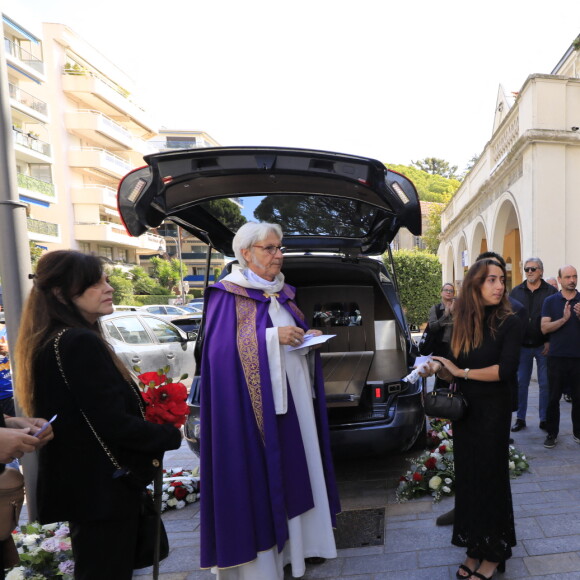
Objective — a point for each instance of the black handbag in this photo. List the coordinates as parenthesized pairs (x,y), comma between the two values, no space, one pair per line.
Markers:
(445,403)
(146,535)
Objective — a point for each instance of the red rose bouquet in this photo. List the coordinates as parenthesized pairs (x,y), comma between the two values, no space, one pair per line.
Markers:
(165,399)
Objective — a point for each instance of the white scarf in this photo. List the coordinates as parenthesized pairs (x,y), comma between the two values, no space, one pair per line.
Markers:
(276,352)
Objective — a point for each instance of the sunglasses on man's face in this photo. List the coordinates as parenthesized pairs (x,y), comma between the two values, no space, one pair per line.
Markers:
(530,269)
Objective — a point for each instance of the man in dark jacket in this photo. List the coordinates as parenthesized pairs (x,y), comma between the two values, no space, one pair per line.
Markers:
(532,294)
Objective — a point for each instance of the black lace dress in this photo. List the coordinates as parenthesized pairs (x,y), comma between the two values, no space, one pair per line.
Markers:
(484,520)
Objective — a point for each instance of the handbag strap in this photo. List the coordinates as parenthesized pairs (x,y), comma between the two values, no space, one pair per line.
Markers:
(101,442)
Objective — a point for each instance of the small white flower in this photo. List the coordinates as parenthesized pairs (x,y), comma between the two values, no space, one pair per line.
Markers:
(172,502)
(446,489)
(164,496)
(49,527)
(448,480)
(180,504)
(435,482)
(512,465)
(31,539)
(16,574)
(190,498)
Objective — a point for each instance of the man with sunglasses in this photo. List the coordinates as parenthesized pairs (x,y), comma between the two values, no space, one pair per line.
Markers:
(532,293)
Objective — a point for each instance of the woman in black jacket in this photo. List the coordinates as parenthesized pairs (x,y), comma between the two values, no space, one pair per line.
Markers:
(65,368)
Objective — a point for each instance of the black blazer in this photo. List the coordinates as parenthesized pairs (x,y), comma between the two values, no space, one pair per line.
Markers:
(75,477)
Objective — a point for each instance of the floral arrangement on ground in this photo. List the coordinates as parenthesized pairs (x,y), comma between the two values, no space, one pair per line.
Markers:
(433,471)
(180,488)
(45,552)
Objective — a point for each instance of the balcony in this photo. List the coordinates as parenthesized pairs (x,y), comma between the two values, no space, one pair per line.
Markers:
(95,195)
(112,233)
(30,147)
(33,187)
(28,106)
(98,128)
(100,161)
(104,96)
(42,231)
(24,62)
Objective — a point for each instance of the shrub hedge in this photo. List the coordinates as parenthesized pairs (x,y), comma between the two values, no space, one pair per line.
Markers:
(146,299)
(419,277)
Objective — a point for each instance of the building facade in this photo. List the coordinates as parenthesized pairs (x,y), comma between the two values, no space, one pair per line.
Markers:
(77,130)
(521,198)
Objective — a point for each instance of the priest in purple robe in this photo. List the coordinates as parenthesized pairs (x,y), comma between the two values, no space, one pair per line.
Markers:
(268,492)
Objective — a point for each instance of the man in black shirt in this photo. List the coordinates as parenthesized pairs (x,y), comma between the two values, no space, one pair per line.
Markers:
(532,293)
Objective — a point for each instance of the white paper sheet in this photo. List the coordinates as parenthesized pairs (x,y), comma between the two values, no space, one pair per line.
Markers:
(311,340)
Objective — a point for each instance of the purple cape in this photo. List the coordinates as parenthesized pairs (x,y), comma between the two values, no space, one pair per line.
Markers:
(253,468)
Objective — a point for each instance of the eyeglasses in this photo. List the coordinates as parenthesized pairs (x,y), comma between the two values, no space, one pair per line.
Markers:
(271,249)
(448,290)
(530,269)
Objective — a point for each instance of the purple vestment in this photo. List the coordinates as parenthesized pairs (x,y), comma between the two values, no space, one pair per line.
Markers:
(254,475)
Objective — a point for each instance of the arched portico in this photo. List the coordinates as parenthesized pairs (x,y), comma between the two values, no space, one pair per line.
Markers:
(507,240)
(449,265)
(479,241)
(461,261)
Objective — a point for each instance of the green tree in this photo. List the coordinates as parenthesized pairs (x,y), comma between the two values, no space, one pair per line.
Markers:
(430,187)
(470,165)
(167,272)
(432,234)
(35,253)
(142,282)
(121,283)
(419,277)
(436,166)
(227,212)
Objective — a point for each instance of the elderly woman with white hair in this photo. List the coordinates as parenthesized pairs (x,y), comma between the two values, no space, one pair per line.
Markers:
(269,494)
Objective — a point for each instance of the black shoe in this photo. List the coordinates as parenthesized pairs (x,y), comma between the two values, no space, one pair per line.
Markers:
(543,425)
(446,519)
(519,425)
(550,442)
(315,560)
(511,440)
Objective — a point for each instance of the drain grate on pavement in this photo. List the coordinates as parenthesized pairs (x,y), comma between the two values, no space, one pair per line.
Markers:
(360,528)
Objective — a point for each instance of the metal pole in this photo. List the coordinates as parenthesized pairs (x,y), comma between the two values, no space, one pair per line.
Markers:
(180,266)
(177,242)
(15,254)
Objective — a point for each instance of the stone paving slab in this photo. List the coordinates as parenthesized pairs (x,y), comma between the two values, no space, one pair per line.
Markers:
(546,508)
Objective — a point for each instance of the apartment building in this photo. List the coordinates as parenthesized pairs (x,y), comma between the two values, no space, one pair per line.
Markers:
(101,135)
(77,130)
(180,243)
(30,122)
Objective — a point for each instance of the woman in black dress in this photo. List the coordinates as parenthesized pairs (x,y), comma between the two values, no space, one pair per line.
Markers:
(483,362)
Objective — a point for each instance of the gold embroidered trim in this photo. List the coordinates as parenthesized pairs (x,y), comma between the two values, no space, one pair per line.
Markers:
(234,288)
(249,356)
(296,310)
(289,291)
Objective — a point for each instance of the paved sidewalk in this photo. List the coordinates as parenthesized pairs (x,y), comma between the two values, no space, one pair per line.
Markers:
(546,504)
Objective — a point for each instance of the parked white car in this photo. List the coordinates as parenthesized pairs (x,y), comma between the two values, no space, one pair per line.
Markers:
(151,343)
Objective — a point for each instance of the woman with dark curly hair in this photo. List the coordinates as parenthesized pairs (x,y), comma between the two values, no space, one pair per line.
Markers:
(483,360)
(65,368)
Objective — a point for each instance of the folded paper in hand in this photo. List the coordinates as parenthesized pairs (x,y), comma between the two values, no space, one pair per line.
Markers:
(312,340)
